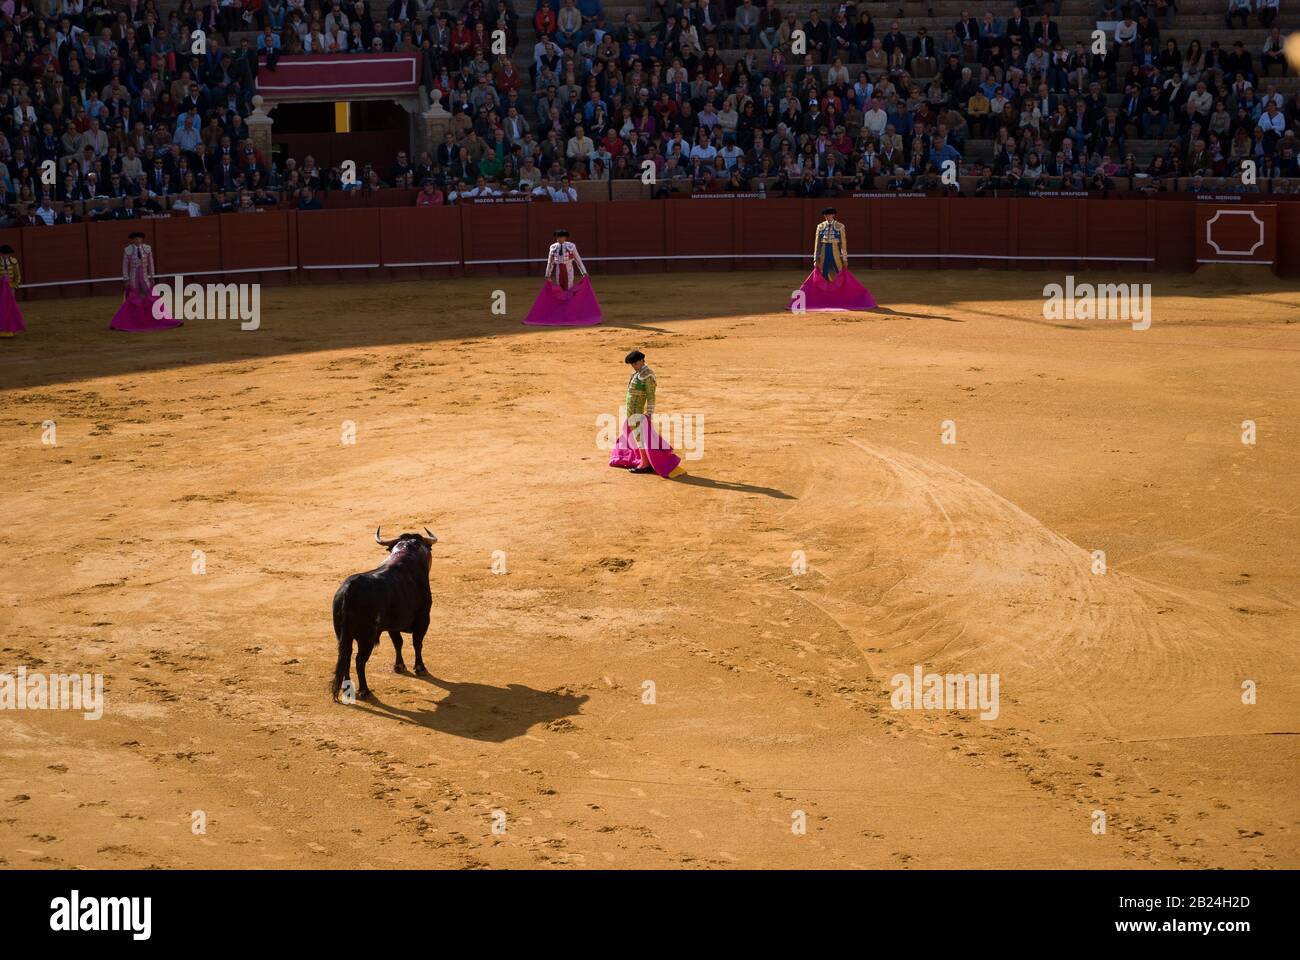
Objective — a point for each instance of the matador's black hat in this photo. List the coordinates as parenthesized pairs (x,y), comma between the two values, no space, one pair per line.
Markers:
(135,233)
(634,356)
(561,233)
(6,249)
(826,210)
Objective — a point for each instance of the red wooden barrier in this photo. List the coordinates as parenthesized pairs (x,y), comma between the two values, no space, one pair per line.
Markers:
(184,245)
(1288,239)
(376,242)
(778,229)
(338,245)
(702,229)
(633,236)
(494,239)
(262,245)
(1175,244)
(420,242)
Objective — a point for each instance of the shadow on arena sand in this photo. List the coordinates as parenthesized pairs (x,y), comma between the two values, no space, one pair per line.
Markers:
(480,711)
(68,340)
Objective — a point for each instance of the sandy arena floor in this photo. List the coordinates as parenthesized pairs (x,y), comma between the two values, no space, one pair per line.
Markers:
(1121,691)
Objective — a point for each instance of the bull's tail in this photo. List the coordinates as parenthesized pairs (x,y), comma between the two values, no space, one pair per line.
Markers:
(344,644)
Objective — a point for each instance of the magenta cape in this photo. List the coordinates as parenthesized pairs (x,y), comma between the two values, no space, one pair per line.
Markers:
(665,462)
(11,318)
(557,307)
(842,293)
(136,313)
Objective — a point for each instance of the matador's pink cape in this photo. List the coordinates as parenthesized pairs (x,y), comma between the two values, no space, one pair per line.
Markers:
(11,318)
(842,293)
(137,313)
(665,462)
(557,307)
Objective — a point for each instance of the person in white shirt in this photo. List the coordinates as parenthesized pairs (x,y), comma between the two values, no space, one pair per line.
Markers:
(1126,31)
(601,154)
(186,203)
(544,48)
(1272,121)
(580,146)
(565,192)
(1202,99)
(875,119)
(483,189)
(24,113)
(564,266)
(318,42)
(336,18)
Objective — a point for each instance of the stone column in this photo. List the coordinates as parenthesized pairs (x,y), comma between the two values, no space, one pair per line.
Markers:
(259,127)
(433,123)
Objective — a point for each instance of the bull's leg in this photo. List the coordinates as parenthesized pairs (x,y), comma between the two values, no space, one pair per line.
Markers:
(341,668)
(417,641)
(365,646)
(399,666)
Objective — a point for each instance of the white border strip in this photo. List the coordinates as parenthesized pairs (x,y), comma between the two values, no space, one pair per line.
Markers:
(196,273)
(331,59)
(985,256)
(688,256)
(211,273)
(286,89)
(71,283)
(425,263)
(1249,263)
(860,256)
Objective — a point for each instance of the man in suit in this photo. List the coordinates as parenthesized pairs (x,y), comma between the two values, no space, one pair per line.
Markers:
(819,36)
(1130,107)
(968,32)
(1018,27)
(923,53)
(200,163)
(894,39)
(1045,102)
(447,150)
(225,174)
(115,188)
(1046,32)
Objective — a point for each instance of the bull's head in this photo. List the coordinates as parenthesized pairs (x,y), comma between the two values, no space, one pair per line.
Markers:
(406,541)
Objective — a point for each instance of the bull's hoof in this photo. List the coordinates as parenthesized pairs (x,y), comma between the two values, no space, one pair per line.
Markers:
(399,667)
(421,670)
(365,694)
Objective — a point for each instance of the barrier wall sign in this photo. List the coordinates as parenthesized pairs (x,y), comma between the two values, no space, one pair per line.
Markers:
(1239,233)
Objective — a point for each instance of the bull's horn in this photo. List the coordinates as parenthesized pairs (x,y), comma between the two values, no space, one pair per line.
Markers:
(382,542)
(433,538)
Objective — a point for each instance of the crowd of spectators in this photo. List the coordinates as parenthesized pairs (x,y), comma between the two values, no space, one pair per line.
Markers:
(627,100)
(108,110)
(608,99)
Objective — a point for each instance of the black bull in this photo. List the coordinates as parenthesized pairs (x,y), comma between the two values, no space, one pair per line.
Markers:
(393,597)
